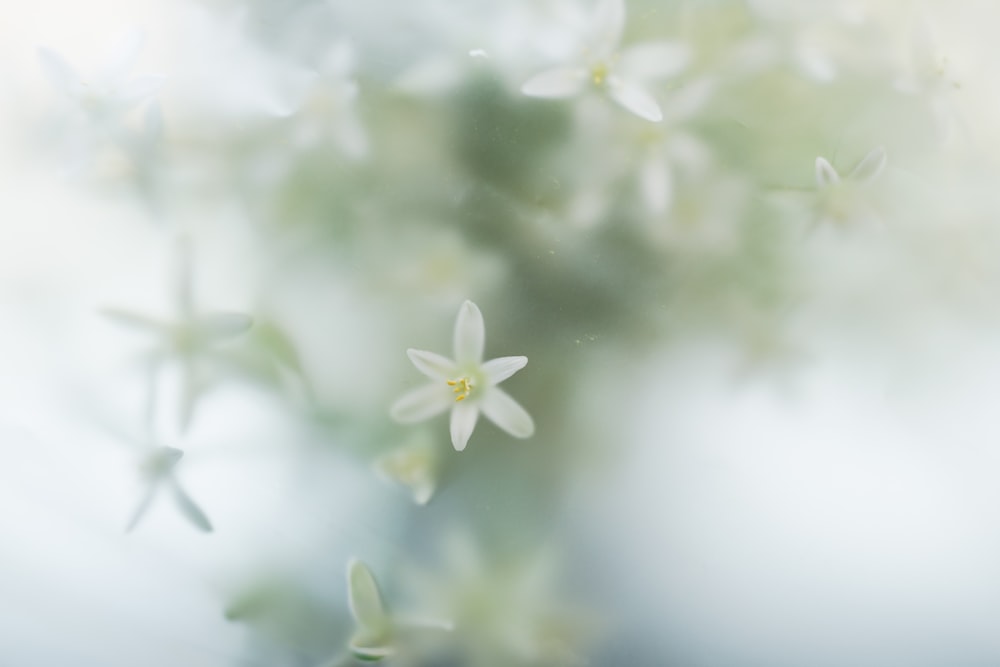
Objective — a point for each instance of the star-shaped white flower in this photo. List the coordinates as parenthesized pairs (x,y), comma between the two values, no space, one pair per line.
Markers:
(188,338)
(104,97)
(619,73)
(466,384)
(157,468)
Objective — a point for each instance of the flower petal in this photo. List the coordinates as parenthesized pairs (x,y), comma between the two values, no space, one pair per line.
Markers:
(219,326)
(654,60)
(120,58)
(556,83)
(139,89)
(141,509)
(189,508)
(507,413)
(606,28)
(433,365)
(498,370)
(470,334)
(364,598)
(870,167)
(463,422)
(133,319)
(58,71)
(422,403)
(635,99)
(826,175)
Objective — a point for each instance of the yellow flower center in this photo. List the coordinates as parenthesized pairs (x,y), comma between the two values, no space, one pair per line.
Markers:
(462,387)
(599,74)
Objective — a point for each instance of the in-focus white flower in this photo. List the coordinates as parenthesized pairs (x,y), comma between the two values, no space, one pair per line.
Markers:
(157,469)
(466,384)
(842,199)
(378,634)
(188,338)
(414,465)
(621,74)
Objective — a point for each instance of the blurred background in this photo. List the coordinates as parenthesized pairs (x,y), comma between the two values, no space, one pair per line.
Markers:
(748,247)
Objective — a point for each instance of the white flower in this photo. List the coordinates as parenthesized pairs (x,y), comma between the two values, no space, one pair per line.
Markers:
(97,106)
(842,199)
(620,74)
(157,468)
(109,93)
(187,338)
(328,110)
(378,634)
(466,384)
(414,465)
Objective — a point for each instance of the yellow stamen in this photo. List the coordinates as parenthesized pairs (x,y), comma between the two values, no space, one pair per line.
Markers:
(463,387)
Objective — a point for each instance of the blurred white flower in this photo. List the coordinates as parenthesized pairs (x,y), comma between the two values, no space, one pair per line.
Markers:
(186,339)
(328,110)
(507,610)
(841,200)
(619,74)
(466,384)
(157,469)
(99,104)
(414,465)
(378,634)
(228,75)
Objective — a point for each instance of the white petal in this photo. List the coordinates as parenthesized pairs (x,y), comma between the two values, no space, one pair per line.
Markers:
(635,99)
(507,413)
(826,175)
(606,28)
(656,182)
(189,509)
(433,365)
(470,334)
(132,319)
(498,370)
(364,598)
(422,403)
(219,326)
(556,83)
(141,509)
(654,60)
(870,167)
(362,651)
(122,55)
(137,90)
(62,76)
(463,422)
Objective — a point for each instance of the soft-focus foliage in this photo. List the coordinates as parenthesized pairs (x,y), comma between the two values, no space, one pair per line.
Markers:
(749,247)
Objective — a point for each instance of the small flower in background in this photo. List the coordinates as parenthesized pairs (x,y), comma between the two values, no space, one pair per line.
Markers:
(188,339)
(99,104)
(157,469)
(414,465)
(378,633)
(619,74)
(328,109)
(466,384)
(507,610)
(841,200)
